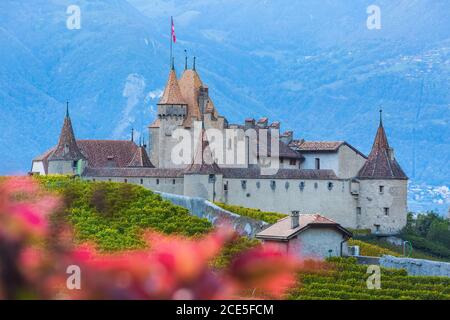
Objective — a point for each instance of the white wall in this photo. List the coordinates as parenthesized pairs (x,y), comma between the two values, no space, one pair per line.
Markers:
(316,242)
(337,204)
(38,167)
(328,161)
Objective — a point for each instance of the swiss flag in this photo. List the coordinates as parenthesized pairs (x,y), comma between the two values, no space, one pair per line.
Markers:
(174,37)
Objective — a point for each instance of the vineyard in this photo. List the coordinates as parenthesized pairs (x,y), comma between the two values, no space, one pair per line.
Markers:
(344,279)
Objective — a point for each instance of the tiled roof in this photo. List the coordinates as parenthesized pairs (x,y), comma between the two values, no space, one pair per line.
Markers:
(67,148)
(282,230)
(140,159)
(317,145)
(322,146)
(284,151)
(155,124)
(108,153)
(44,158)
(381,164)
(286,174)
(172,93)
(190,84)
(203,159)
(133,173)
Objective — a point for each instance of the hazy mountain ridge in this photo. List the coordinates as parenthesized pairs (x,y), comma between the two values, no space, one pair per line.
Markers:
(313,66)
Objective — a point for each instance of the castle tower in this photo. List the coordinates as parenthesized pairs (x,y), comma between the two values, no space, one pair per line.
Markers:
(383,189)
(67,157)
(172,113)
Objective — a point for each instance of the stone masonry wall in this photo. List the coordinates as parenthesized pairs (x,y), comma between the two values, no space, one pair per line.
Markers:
(417,267)
(216,215)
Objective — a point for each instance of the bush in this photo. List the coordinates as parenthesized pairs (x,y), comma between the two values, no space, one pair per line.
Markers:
(115,215)
(367,249)
(345,280)
(269,217)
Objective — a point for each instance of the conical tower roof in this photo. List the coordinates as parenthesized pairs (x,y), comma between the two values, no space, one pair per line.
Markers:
(204,162)
(190,84)
(381,163)
(172,94)
(67,148)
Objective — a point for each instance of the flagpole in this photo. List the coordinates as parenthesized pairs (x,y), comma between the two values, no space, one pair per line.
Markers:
(171,40)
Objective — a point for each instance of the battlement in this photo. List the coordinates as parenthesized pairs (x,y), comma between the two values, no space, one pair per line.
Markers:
(172,111)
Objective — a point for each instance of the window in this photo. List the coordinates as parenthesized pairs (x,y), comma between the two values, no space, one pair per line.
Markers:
(377,228)
(317,163)
(258,184)
(75,163)
(386,211)
(330,186)
(173,181)
(225,186)
(273,184)
(109,180)
(381,188)
(358,211)
(281,160)
(157,181)
(212,178)
(302,186)
(286,185)
(316,185)
(244,184)
(142,181)
(125,180)
(293,162)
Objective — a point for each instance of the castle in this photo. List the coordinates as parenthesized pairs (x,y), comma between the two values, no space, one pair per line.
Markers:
(330,178)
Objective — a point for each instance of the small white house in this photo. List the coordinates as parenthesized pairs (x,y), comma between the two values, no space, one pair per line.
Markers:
(308,236)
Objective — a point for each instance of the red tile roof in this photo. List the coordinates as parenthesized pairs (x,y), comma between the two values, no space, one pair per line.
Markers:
(67,148)
(282,230)
(381,164)
(203,159)
(108,153)
(172,94)
(140,159)
(318,145)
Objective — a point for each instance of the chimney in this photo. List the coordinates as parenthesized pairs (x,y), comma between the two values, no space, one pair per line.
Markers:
(275,125)
(203,98)
(295,219)
(287,137)
(263,123)
(249,123)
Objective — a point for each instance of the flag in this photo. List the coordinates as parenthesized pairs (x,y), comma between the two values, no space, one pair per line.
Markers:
(174,37)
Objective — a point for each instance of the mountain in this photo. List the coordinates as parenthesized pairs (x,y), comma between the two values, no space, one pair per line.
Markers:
(312,65)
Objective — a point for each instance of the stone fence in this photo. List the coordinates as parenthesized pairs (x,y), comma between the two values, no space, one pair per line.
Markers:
(216,215)
(417,267)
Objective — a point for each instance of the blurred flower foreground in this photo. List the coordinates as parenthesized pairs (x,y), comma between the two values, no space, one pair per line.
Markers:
(38,259)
